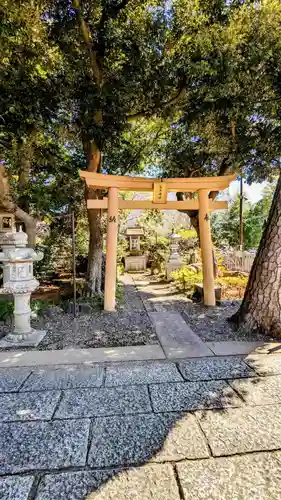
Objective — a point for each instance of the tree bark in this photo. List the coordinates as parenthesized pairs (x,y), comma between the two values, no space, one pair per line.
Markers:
(194,219)
(261,306)
(8,203)
(94,270)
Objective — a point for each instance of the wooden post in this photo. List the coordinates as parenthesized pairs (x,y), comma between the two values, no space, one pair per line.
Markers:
(111,250)
(206,248)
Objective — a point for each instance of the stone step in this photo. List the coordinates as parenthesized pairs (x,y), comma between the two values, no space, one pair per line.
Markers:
(176,337)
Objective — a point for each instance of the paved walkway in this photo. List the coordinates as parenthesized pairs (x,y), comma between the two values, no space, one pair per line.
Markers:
(198,429)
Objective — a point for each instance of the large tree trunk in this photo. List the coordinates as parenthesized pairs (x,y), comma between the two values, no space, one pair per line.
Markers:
(8,203)
(194,219)
(94,270)
(261,306)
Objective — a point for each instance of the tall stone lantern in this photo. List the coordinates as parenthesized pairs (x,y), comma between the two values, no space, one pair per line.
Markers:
(174,262)
(18,280)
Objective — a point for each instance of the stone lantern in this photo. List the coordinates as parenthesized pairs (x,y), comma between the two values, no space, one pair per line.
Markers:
(18,280)
(174,262)
(7,224)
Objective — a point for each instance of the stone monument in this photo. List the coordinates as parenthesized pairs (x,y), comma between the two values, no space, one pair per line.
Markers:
(18,280)
(174,262)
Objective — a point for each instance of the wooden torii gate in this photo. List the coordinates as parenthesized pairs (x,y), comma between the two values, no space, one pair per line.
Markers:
(160,189)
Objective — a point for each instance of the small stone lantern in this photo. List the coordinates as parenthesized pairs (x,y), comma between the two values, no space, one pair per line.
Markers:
(18,280)
(174,262)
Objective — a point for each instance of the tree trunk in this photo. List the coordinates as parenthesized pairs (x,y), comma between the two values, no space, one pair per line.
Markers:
(94,270)
(261,306)
(194,219)
(11,206)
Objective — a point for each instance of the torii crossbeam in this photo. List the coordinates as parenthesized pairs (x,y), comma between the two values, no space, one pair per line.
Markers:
(160,188)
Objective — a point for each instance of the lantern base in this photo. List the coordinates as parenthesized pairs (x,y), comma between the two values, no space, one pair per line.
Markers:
(15,340)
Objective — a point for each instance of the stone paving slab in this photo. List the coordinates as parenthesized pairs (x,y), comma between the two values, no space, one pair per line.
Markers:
(105,401)
(64,377)
(172,330)
(137,439)
(268,348)
(151,482)
(28,446)
(259,391)
(72,485)
(265,364)
(184,440)
(141,373)
(233,347)
(15,487)
(215,368)
(28,406)
(248,477)
(80,356)
(242,430)
(187,351)
(192,396)
(12,379)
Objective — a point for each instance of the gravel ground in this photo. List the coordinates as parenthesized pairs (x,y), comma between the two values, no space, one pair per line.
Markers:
(131,325)
(209,323)
(100,329)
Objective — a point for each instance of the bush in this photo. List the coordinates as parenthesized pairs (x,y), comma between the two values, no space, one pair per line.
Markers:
(38,306)
(157,253)
(6,308)
(186,278)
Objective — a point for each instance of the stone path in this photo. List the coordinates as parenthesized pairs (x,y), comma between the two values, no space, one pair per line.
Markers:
(176,337)
(198,429)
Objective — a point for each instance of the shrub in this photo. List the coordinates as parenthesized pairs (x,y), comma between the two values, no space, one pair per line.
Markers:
(6,307)
(38,306)
(157,253)
(186,278)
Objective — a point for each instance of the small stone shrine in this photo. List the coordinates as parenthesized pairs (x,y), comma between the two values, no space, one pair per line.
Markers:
(18,280)
(135,261)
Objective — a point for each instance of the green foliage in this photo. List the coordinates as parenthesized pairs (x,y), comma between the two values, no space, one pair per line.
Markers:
(187,234)
(186,278)
(119,292)
(157,253)
(120,269)
(6,308)
(95,301)
(234,281)
(225,225)
(217,63)
(188,250)
(150,220)
(39,306)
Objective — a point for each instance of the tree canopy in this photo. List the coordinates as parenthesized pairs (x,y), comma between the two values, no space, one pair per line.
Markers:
(182,88)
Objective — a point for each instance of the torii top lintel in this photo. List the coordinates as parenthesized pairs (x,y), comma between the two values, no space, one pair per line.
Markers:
(160,188)
(126,183)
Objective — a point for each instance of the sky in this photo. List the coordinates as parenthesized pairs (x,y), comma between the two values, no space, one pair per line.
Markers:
(253,192)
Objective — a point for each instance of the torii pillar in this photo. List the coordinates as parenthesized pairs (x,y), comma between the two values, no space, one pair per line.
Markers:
(111,250)
(206,248)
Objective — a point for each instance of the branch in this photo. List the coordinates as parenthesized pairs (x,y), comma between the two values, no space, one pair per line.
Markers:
(225,165)
(150,111)
(95,69)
